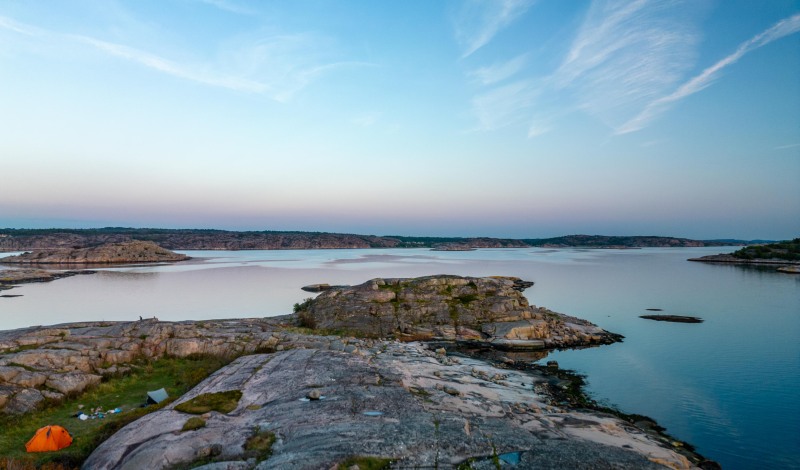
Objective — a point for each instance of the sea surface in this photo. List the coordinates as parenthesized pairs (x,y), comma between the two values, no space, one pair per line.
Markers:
(730,386)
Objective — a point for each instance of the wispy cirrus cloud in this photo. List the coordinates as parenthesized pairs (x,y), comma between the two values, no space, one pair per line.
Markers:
(172,68)
(229,6)
(626,65)
(656,107)
(627,53)
(11,25)
(624,54)
(504,105)
(478,21)
(498,72)
(276,66)
(788,146)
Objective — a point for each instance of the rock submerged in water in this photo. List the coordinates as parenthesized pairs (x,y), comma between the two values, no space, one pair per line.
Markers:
(485,309)
(673,318)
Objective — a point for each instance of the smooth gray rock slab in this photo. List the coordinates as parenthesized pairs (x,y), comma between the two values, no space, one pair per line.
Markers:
(423,410)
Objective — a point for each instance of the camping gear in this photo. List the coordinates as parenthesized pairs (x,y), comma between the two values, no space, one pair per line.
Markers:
(156,397)
(49,438)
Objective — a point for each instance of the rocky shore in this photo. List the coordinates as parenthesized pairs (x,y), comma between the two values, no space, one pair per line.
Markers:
(201,239)
(135,251)
(728,259)
(490,310)
(405,402)
(397,403)
(315,400)
(780,265)
(9,278)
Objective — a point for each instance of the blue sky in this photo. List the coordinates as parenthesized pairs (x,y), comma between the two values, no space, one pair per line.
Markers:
(501,118)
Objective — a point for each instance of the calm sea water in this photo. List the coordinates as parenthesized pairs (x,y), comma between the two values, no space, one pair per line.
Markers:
(729,385)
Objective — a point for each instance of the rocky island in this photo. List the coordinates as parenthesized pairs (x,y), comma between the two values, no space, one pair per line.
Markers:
(135,251)
(784,255)
(490,310)
(369,396)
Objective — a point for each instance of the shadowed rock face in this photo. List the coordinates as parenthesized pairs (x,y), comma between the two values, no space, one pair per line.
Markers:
(489,309)
(399,401)
(126,252)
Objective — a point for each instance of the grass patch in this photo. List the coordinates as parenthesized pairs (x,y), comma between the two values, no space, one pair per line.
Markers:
(193,423)
(22,366)
(128,393)
(224,402)
(259,445)
(365,463)
(467,298)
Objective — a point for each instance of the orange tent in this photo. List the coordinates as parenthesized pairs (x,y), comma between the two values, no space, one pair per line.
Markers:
(49,438)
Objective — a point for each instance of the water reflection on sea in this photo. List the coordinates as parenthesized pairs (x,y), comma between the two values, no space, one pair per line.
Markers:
(727,385)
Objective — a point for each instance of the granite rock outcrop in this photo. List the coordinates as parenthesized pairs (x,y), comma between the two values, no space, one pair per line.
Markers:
(486,309)
(395,401)
(135,251)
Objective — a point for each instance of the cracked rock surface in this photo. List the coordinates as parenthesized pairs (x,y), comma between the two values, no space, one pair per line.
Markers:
(401,401)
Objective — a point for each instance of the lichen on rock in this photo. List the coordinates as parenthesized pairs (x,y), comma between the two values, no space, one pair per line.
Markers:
(490,309)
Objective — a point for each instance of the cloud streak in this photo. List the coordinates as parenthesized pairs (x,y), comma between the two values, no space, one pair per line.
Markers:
(171,68)
(504,105)
(229,6)
(478,21)
(11,25)
(626,54)
(276,66)
(500,71)
(781,29)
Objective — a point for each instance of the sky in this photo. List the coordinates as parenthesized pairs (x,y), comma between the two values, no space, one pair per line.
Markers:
(504,118)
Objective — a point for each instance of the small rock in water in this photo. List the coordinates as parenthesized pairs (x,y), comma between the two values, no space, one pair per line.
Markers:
(552,365)
(673,318)
(314,394)
(451,391)
(441,351)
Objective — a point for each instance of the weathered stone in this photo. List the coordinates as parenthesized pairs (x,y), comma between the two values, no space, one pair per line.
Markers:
(24,401)
(73,382)
(6,392)
(135,251)
(449,307)
(7,373)
(115,356)
(50,395)
(403,418)
(28,379)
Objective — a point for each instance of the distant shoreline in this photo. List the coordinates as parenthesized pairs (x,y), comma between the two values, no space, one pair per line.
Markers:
(199,239)
(728,259)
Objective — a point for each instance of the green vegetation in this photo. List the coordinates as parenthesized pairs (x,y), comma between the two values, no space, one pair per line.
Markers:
(259,445)
(128,393)
(193,423)
(366,463)
(785,250)
(303,305)
(223,402)
(304,317)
